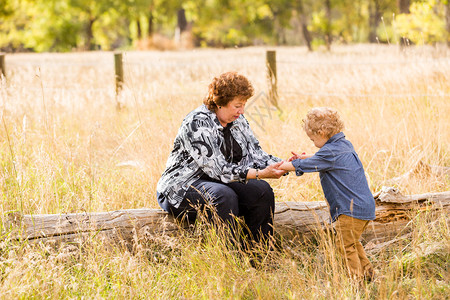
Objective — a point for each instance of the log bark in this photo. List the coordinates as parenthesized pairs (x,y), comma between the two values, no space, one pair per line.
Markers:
(293,220)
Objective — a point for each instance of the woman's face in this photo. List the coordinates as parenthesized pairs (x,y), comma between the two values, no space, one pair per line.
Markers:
(232,111)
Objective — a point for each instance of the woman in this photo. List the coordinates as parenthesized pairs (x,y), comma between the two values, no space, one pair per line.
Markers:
(217,162)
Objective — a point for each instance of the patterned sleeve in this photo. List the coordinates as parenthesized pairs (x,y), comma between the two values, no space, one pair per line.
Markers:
(201,140)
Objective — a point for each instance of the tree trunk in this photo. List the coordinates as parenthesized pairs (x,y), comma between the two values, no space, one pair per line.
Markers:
(276,28)
(403,6)
(304,25)
(181,20)
(306,35)
(89,34)
(151,26)
(182,26)
(139,29)
(328,37)
(293,220)
(374,20)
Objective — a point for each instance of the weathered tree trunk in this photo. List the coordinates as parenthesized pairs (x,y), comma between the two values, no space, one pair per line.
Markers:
(293,220)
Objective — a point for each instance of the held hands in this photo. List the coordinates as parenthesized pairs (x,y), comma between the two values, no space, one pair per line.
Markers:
(273,171)
(278,169)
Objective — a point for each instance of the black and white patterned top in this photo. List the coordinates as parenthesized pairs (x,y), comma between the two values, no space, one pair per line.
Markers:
(197,152)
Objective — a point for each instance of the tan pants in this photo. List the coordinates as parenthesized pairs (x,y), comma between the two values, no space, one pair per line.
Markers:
(349,231)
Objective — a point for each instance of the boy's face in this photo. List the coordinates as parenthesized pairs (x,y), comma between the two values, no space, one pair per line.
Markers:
(318,140)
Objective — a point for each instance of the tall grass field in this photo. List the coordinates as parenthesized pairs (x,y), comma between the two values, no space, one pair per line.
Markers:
(69,144)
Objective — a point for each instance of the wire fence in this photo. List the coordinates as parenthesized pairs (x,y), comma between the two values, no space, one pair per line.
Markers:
(216,63)
(105,64)
(280,92)
(105,89)
(343,95)
(128,63)
(363,63)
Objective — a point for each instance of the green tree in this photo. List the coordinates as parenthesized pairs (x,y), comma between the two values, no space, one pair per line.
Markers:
(425,23)
(89,12)
(62,25)
(322,23)
(447,21)
(281,14)
(11,18)
(53,26)
(351,21)
(38,25)
(150,16)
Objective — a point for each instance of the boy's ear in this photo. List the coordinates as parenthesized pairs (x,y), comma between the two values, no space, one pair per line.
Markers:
(323,130)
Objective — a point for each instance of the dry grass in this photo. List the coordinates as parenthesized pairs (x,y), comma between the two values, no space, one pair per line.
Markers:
(62,140)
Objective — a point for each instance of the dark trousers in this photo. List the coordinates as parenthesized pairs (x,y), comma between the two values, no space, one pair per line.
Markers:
(254,201)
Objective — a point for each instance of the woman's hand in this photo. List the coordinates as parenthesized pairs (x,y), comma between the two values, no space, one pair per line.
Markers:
(272,171)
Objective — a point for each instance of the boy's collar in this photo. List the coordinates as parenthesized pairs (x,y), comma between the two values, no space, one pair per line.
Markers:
(336,137)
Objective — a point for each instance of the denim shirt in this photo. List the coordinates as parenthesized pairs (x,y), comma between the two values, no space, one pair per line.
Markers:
(342,177)
(197,152)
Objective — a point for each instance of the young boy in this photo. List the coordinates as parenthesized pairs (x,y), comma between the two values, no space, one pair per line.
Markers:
(344,184)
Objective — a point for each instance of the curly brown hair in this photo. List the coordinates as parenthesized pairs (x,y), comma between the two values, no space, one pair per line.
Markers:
(323,121)
(225,88)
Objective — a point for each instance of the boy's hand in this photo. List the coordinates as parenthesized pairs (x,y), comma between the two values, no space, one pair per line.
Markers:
(297,156)
(304,155)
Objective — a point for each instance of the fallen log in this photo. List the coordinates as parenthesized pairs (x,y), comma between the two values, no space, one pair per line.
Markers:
(292,220)
(393,212)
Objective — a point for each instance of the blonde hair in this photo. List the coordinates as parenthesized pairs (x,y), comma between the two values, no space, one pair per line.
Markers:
(323,121)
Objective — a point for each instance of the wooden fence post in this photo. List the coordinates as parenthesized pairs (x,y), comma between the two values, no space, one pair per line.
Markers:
(271,64)
(118,71)
(2,65)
